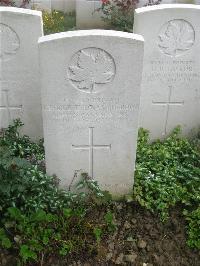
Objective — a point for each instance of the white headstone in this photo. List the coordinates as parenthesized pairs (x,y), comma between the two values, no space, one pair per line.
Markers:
(69,6)
(19,72)
(90,97)
(87,16)
(171,76)
(142,3)
(35,4)
(57,5)
(64,5)
(41,4)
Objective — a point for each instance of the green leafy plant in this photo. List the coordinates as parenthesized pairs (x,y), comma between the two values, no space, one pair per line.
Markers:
(21,146)
(37,217)
(98,233)
(41,232)
(90,187)
(193,228)
(24,183)
(35,234)
(119,14)
(26,187)
(4,240)
(27,254)
(168,173)
(58,21)
(109,219)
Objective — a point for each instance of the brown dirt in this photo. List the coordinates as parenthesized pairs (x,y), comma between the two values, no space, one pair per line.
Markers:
(141,239)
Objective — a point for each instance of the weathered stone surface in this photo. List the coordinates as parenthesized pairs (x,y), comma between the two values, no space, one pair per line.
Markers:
(19,69)
(60,4)
(36,4)
(88,16)
(170,88)
(90,95)
(42,4)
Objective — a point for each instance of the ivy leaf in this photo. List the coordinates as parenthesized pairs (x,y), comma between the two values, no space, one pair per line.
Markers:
(4,240)
(26,253)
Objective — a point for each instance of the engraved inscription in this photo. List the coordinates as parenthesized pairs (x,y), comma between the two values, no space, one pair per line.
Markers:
(97,110)
(91,148)
(9,44)
(168,104)
(172,71)
(176,37)
(90,69)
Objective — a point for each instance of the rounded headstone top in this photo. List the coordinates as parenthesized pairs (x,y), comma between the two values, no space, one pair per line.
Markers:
(165,7)
(23,11)
(86,33)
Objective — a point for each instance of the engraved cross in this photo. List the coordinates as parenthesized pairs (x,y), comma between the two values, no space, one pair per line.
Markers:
(168,104)
(9,107)
(91,148)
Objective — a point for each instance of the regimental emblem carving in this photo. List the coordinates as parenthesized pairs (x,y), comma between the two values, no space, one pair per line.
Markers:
(90,69)
(176,37)
(9,44)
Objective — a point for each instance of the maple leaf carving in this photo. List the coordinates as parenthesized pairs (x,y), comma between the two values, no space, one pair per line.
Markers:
(92,68)
(177,37)
(9,41)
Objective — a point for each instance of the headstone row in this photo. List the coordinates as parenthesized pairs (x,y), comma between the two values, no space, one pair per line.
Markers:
(90,88)
(49,5)
(89,16)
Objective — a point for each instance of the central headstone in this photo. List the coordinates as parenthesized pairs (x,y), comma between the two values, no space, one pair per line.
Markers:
(170,93)
(90,98)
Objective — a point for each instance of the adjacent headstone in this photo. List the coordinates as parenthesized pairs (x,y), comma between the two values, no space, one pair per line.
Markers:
(142,3)
(19,69)
(63,5)
(70,6)
(87,14)
(41,4)
(171,76)
(90,98)
(57,5)
(35,4)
